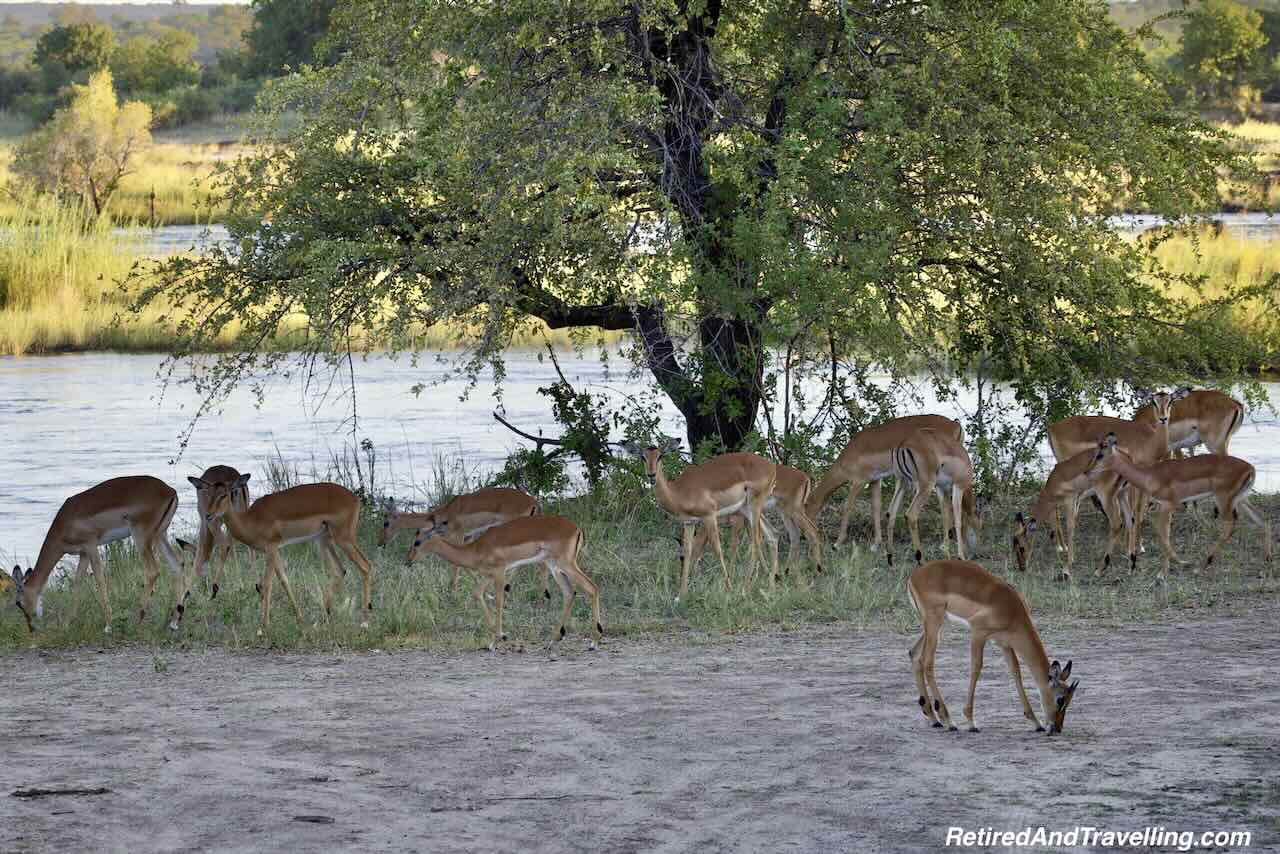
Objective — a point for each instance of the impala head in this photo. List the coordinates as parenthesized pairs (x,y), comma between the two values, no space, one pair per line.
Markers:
(1063,692)
(1024,527)
(652,455)
(205,490)
(1161,402)
(28,600)
(389,516)
(435,528)
(1102,456)
(223,496)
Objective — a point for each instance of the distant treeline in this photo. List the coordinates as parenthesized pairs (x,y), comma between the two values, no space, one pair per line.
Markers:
(1220,54)
(187,63)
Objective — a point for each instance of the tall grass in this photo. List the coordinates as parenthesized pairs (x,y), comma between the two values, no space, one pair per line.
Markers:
(629,552)
(180,175)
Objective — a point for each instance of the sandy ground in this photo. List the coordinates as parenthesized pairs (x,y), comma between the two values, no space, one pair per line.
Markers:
(808,741)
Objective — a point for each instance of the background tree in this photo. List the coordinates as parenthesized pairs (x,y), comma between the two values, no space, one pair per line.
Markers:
(87,147)
(158,61)
(904,185)
(285,34)
(76,47)
(1222,53)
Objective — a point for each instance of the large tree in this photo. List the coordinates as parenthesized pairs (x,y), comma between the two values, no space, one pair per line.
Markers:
(904,180)
(77,47)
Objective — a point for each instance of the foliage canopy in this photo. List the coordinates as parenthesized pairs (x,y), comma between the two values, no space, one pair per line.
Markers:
(87,147)
(909,184)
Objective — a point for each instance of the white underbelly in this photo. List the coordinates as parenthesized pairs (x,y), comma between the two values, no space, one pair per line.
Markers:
(306,538)
(114,535)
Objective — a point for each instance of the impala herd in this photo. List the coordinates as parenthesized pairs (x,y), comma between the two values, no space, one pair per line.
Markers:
(1123,465)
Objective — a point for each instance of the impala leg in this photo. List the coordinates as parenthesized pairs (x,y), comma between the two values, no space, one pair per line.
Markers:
(545,572)
(264,589)
(977,644)
(945,510)
(1116,520)
(894,504)
(1139,515)
(793,539)
(566,595)
(499,595)
(583,581)
(932,631)
(766,531)
(854,487)
(1069,541)
(699,545)
(799,518)
(151,568)
(917,669)
(735,535)
(877,508)
(1227,525)
(224,548)
(288,588)
(100,581)
(712,525)
(686,534)
(348,545)
(1029,713)
(481,586)
(1163,524)
(957,517)
(913,516)
(337,573)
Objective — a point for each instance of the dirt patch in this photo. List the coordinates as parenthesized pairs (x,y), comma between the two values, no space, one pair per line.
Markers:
(809,741)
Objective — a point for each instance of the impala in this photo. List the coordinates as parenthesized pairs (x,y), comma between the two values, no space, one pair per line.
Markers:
(722,486)
(790,492)
(464,517)
(325,512)
(1068,484)
(1147,442)
(928,461)
(868,458)
(553,541)
(1202,415)
(216,533)
(992,610)
(1172,482)
(139,507)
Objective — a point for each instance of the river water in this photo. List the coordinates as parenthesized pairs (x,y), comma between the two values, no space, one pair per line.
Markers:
(71,421)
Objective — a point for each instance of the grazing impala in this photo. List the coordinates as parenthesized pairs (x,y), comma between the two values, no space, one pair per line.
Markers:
(553,541)
(216,533)
(463,518)
(928,461)
(790,492)
(1172,482)
(1202,415)
(868,458)
(325,512)
(1146,442)
(992,610)
(1068,484)
(730,483)
(138,507)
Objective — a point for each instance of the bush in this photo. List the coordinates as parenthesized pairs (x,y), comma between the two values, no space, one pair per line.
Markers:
(195,105)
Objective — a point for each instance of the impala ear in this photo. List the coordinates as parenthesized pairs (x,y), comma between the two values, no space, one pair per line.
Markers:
(1055,670)
(669,444)
(1181,393)
(243,479)
(635,449)
(198,483)
(1066,671)
(1110,440)
(18,578)
(1032,526)
(1018,517)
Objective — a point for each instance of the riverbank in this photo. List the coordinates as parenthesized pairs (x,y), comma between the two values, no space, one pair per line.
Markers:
(631,554)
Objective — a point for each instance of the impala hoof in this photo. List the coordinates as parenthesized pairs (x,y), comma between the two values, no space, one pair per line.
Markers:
(562,633)
(506,588)
(937,724)
(974,729)
(546,593)
(1039,728)
(953,728)
(918,556)
(214,594)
